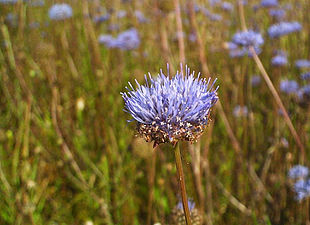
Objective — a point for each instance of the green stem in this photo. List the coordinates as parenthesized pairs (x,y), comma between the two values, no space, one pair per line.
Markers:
(178,163)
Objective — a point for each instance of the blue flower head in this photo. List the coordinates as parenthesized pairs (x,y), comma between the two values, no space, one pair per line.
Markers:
(302,63)
(289,86)
(298,171)
(248,38)
(277,13)
(191,205)
(269,3)
(107,40)
(304,93)
(302,189)
(283,28)
(169,109)
(255,80)
(128,39)
(279,60)
(60,12)
(305,76)
(8,1)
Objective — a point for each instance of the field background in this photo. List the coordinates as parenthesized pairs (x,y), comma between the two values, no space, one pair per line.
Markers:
(68,155)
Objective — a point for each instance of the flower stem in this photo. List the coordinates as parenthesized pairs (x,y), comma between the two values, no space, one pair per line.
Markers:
(178,163)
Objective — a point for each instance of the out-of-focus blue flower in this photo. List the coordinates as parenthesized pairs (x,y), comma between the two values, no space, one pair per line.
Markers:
(283,28)
(192,37)
(304,93)
(248,38)
(210,15)
(128,39)
(101,18)
(214,2)
(240,111)
(60,12)
(255,80)
(169,109)
(191,205)
(279,14)
(121,14)
(289,86)
(305,76)
(269,3)
(36,3)
(227,6)
(298,171)
(279,60)
(302,189)
(107,40)
(302,63)
(8,1)
(140,17)
(11,19)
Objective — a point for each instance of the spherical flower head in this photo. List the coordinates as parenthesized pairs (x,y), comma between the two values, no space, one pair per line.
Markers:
(269,3)
(255,80)
(283,28)
(302,189)
(302,63)
(279,60)
(128,39)
(298,171)
(107,40)
(277,13)
(170,109)
(178,213)
(289,86)
(304,93)
(248,38)
(227,6)
(60,12)
(305,76)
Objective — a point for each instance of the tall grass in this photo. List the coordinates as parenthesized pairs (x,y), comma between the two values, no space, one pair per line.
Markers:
(68,155)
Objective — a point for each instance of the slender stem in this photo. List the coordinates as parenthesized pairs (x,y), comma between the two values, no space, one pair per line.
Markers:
(178,163)
(272,88)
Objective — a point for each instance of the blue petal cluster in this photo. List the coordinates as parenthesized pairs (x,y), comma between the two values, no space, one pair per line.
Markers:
(248,38)
(298,171)
(277,13)
(268,3)
(255,80)
(127,40)
(8,1)
(289,86)
(169,109)
(283,28)
(280,59)
(302,189)
(191,205)
(302,183)
(305,76)
(60,12)
(302,63)
(304,94)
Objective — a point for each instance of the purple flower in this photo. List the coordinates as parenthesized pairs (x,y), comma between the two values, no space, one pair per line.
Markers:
(107,40)
(128,39)
(298,171)
(283,28)
(8,1)
(248,38)
(304,93)
(255,80)
(289,86)
(302,189)
(140,17)
(60,12)
(302,63)
(305,76)
(240,111)
(277,13)
(227,6)
(268,3)
(191,205)
(168,109)
(279,60)
(101,18)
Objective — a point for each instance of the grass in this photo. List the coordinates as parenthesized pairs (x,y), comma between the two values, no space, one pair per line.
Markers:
(68,156)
